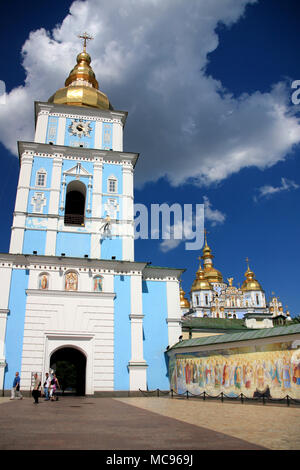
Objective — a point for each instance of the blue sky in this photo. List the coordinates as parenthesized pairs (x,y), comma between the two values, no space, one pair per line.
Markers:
(210,112)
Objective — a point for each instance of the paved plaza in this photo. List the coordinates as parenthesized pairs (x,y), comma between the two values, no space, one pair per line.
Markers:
(84,423)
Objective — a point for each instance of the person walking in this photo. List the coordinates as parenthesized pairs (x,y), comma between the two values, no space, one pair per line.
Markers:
(54,386)
(47,386)
(36,389)
(16,388)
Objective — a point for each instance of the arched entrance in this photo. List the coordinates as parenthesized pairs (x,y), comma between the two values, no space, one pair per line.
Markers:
(69,365)
(75,203)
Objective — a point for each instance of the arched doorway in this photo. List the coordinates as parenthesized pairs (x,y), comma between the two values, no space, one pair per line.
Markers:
(75,203)
(69,365)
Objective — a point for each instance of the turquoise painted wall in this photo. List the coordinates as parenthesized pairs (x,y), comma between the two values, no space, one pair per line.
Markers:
(73,244)
(155,333)
(122,332)
(15,325)
(107,135)
(109,169)
(111,247)
(34,240)
(38,164)
(52,129)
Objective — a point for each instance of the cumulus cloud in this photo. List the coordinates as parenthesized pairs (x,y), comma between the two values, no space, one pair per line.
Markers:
(214,216)
(150,58)
(191,228)
(267,191)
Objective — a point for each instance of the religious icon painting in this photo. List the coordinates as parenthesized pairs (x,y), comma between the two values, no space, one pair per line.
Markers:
(98,283)
(71,281)
(43,281)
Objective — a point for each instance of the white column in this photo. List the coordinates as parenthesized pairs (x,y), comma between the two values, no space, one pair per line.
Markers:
(95,250)
(55,185)
(5,277)
(53,206)
(17,234)
(137,365)
(117,143)
(98,135)
(128,213)
(60,139)
(41,127)
(174,312)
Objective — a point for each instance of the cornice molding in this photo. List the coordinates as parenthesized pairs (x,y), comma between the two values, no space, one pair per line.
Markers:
(31,149)
(77,293)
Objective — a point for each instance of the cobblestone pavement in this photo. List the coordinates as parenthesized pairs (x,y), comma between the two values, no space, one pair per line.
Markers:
(113,424)
(274,427)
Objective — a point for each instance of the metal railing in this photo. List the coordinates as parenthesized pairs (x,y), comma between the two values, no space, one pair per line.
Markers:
(74,219)
(263,398)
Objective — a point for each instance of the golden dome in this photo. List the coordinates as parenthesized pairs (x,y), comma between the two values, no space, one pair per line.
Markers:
(250,282)
(81,87)
(210,273)
(184,303)
(200,283)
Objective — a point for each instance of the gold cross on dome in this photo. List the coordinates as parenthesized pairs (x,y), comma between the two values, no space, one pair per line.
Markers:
(85,38)
(205,235)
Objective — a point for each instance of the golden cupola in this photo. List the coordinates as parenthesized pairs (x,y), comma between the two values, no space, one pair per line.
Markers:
(210,273)
(250,282)
(81,87)
(200,283)
(184,303)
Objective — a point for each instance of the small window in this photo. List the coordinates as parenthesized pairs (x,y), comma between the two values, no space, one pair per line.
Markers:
(41,178)
(257,300)
(112,184)
(206,300)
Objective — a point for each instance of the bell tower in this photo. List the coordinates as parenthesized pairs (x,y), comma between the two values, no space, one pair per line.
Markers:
(75,189)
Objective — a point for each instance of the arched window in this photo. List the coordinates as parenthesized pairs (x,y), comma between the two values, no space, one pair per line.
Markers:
(71,281)
(44,281)
(75,203)
(41,177)
(98,283)
(112,184)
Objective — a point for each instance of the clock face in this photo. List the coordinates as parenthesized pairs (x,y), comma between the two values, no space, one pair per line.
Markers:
(80,128)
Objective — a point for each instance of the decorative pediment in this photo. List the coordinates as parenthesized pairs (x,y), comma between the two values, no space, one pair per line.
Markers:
(78,170)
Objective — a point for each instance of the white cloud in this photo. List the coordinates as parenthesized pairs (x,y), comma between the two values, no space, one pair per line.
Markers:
(268,190)
(214,216)
(187,225)
(150,58)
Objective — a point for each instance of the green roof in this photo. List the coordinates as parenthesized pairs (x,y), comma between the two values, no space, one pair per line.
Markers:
(213,323)
(241,336)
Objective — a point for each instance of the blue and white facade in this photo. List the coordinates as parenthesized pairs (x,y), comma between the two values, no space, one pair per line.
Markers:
(76,285)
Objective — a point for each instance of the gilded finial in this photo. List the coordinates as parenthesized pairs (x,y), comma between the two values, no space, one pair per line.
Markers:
(205,236)
(230,279)
(85,38)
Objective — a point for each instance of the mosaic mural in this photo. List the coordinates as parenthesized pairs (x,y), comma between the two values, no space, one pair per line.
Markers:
(273,369)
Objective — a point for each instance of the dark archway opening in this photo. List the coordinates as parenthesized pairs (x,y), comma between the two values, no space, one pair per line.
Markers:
(75,203)
(69,365)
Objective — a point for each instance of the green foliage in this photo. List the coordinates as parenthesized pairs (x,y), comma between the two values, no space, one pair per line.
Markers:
(296,319)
